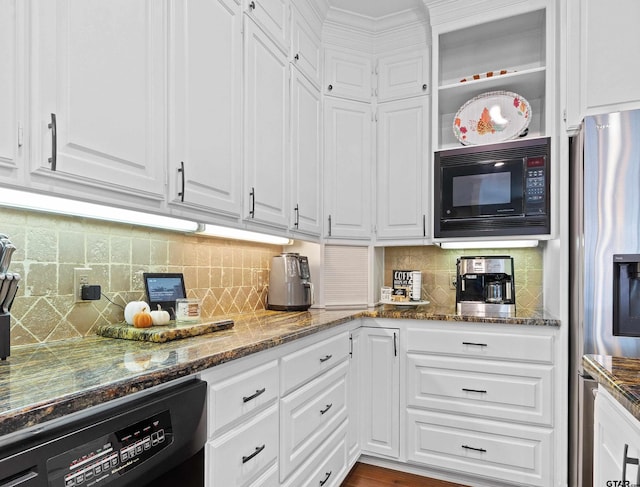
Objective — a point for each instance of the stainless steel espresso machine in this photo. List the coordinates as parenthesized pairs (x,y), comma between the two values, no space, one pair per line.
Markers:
(485,286)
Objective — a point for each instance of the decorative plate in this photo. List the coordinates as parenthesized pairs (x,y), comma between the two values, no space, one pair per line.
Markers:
(492,117)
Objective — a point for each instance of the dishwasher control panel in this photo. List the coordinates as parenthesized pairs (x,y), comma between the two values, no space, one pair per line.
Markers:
(103,459)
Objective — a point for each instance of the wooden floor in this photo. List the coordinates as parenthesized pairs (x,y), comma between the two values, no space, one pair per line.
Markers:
(363,475)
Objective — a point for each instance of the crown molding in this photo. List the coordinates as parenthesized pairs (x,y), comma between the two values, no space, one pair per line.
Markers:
(445,11)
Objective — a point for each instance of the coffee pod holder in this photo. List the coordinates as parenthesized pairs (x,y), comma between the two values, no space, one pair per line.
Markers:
(5,322)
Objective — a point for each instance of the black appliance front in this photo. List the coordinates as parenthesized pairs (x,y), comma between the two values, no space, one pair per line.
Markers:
(156,440)
(626,295)
(493,190)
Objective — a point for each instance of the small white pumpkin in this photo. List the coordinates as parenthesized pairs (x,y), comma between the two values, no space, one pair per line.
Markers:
(133,308)
(160,316)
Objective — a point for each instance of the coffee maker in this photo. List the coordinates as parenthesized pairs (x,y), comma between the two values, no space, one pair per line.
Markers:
(290,287)
(485,286)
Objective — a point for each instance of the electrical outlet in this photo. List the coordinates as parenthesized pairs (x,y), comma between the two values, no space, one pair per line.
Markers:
(452,280)
(80,278)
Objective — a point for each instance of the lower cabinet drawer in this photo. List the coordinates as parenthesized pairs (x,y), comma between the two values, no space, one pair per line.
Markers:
(327,467)
(309,415)
(499,390)
(246,454)
(487,449)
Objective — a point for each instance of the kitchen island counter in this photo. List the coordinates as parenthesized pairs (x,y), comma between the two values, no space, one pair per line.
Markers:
(44,382)
(618,375)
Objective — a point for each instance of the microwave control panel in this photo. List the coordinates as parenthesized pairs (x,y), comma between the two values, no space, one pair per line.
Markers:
(535,185)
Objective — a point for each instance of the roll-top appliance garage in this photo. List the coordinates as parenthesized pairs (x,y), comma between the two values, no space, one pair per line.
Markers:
(493,190)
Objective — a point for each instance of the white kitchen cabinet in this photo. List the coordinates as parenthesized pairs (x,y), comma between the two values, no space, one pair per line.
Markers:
(603,42)
(99,95)
(273,18)
(353,390)
(347,74)
(380,386)
(481,400)
(402,176)
(306,155)
(12,95)
(205,93)
(306,52)
(348,131)
(403,74)
(482,41)
(616,441)
(266,149)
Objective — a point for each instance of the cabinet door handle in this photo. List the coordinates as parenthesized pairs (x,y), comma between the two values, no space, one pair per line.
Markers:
(475,344)
(424,225)
(480,391)
(326,478)
(53,160)
(296,57)
(330,87)
(252,196)
(395,345)
(329,225)
(252,5)
(322,411)
(256,451)
(253,396)
(481,450)
(325,358)
(628,461)
(181,171)
(297,210)
(424,87)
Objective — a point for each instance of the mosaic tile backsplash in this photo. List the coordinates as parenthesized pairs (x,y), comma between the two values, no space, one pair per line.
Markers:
(438,269)
(228,276)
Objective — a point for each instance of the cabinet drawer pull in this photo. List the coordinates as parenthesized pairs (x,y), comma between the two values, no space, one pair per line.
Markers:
(253,396)
(257,450)
(474,390)
(481,450)
(322,411)
(325,358)
(475,344)
(326,478)
(53,160)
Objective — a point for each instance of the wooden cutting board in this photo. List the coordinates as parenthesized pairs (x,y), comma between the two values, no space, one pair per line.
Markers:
(160,334)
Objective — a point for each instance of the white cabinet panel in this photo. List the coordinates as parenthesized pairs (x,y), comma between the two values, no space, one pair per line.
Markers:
(306,158)
(273,17)
(12,58)
(266,130)
(100,68)
(353,391)
(380,385)
(305,47)
(204,94)
(348,161)
(404,74)
(403,192)
(347,74)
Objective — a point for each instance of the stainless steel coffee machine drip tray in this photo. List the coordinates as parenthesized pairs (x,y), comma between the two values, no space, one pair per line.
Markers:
(485,310)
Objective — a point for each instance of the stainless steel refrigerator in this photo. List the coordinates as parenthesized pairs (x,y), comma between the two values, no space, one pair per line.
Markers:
(605,222)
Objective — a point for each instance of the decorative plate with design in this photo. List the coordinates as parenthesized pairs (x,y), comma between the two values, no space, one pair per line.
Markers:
(492,117)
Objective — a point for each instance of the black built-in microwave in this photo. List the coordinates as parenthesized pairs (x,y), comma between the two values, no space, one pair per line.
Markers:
(493,190)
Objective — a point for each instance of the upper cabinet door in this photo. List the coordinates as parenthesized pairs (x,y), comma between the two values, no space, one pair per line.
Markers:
(403,189)
(347,74)
(99,98)
(205,95)
(266,130)
(404,74)
(11,89)
(306,127)
(273,17)
(305,47)
(348,160)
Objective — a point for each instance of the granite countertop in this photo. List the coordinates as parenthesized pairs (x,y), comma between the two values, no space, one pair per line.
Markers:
(47,381)
(620,376)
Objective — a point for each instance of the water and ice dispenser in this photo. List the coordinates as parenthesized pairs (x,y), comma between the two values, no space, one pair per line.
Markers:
(626,295)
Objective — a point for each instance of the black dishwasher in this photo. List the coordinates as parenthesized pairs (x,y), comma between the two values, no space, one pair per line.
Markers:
(157,439)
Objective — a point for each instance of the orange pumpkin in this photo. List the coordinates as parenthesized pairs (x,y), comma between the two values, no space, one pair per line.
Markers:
(142,319)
